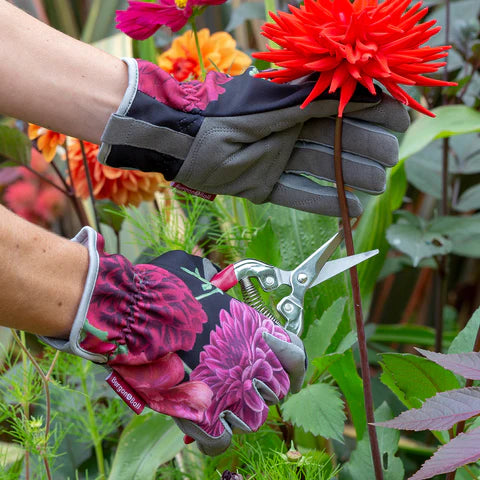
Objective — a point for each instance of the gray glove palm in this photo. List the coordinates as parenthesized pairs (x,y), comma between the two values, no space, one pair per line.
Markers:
(248,137)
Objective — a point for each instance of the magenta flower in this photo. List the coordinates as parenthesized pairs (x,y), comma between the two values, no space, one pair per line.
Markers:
(237,355)
(141,20)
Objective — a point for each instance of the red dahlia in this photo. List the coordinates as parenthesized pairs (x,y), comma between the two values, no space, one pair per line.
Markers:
(350,43)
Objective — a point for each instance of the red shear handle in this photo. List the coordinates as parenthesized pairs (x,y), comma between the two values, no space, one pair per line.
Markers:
(226,279)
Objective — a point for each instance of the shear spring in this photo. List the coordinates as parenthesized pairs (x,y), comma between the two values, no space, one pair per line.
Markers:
(252,298)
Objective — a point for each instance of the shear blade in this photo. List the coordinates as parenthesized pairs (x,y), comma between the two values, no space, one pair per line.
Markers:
(334,267)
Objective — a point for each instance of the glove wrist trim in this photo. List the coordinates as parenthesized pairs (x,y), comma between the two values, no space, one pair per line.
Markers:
(124,106)
(88,238)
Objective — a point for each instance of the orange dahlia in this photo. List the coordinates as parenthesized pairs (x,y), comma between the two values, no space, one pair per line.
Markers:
(350,43)
(47,140)
(124,187)
(218,52)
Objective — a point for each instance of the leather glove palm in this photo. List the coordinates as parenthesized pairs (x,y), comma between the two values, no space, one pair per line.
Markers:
(176,343)
(248,137)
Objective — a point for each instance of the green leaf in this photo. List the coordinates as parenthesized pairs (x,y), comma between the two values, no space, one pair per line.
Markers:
(323,362)
(344,371)
(321,331)
(317,409)
(414,379)
(407,334)
(264,246)
(110,214)
(450,120)
(147,442)
(469,200)
(360,464)
(245,11)
(417,244)
(463,232)
(101,20)
(15,147)
(465,340)
(423,177)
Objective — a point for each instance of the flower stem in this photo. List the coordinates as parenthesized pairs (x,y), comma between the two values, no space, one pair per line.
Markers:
(357,300)
(96,439)
(90,186)
(199,50)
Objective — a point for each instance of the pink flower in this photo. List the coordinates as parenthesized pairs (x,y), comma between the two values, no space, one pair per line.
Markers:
(237,355)
(141,20)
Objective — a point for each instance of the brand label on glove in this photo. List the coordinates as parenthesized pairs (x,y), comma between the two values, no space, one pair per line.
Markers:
(192,191)
(125,392)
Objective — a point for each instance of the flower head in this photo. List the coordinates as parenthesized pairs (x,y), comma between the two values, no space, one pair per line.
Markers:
(236,356)
(124,187)
(47,140)
(33,199)
(350,43)
(141,20)
(218,51)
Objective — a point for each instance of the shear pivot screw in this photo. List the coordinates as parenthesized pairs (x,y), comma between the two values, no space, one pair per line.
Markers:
(302,278)
(288,307)
(269,281)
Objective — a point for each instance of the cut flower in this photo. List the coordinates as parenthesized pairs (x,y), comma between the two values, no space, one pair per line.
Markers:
(47,140)
(141,20)
(124,187)
(218,51)
(354,43)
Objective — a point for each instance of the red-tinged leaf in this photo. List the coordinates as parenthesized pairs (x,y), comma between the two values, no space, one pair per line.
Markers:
(460,451)
(440,412)
(465,364)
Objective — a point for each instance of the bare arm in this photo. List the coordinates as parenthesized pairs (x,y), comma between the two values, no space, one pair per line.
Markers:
(42,277)
(56,81)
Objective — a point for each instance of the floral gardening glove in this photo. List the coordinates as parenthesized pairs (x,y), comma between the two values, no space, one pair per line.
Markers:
(248,137)
(175,342)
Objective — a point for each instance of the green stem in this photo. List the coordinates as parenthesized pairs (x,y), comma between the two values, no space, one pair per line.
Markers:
(96,439)
(199,50)
(26,406)
(269,7)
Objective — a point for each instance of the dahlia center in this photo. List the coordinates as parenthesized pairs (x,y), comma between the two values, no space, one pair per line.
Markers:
(184,68)
(181,3)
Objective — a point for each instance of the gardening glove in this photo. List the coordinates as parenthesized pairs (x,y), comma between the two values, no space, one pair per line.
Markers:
(248,137)
(175,342)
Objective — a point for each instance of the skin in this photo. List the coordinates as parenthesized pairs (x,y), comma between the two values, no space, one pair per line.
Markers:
(55,81)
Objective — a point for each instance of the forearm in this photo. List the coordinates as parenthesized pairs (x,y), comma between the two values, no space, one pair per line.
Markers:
(42,277)
(56,81)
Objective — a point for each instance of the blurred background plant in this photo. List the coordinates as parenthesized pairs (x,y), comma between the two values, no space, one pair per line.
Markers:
(421,290)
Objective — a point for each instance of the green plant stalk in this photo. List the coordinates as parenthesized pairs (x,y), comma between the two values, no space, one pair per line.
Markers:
(270,7)
(193,23)
(26,406)
(90,186)
(96,439)
(357,301)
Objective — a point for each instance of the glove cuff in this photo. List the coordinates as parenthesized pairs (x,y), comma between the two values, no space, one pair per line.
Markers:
(88,238)
(124,106)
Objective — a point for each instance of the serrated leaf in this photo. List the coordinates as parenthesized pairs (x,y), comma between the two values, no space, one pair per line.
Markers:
(416,243)
(317,409)
(450,120)
(414,379)
(462,450)
(465,340)
(15,147)
(360,465)
(465,364)
(321,331)
(147,442)
(440,412)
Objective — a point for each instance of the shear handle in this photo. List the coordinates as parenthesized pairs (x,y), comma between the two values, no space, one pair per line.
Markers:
(267,275)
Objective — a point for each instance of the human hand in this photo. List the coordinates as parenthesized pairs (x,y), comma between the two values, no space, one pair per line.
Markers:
(175,342)
(248,137)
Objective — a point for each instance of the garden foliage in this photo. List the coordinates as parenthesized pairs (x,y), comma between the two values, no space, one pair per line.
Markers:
(58,419)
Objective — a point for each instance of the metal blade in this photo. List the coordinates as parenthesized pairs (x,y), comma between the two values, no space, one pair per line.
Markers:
(334,267)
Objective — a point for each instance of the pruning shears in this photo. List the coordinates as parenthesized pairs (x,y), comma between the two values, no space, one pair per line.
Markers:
(312,271)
